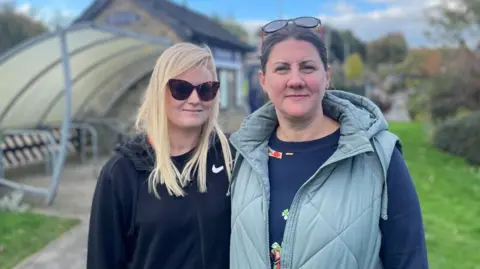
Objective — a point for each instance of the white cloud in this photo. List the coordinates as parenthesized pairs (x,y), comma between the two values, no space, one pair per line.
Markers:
(344,8)
(406,16)
(24,8)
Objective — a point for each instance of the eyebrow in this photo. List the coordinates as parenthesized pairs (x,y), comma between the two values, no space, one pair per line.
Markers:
(302,62)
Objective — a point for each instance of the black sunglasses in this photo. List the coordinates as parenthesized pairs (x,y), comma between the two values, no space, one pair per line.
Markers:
(182,89)
(276,25)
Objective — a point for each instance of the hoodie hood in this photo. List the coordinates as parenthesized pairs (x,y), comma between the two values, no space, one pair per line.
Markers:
(360,119)
(139,151)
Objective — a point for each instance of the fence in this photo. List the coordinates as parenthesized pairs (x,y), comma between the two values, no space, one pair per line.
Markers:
(20,150)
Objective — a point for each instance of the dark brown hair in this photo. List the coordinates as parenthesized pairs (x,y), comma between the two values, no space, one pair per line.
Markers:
(292,31)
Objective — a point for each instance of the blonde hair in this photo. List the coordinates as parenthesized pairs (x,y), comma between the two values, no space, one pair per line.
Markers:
(152,119)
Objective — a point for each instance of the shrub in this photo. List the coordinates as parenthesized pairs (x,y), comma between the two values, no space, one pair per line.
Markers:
(445,99)
(354,67)
(458,88)
(417,106)
(460,136)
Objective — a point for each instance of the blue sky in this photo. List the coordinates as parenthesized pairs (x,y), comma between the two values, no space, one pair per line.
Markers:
(242,10)
(368,19)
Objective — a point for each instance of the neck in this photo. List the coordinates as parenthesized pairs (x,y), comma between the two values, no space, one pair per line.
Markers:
(312,127)
(183,140)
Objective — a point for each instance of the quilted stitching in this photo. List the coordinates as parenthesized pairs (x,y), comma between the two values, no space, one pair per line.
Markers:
(313,257)
(337,235)
(353,221)
(259,252)
(245,207)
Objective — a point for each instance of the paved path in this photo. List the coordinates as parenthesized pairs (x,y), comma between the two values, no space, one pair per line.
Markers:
(73,200)
(68,252)
(399,111)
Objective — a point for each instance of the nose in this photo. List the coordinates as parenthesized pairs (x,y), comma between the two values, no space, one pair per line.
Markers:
(193,98)
(295,81)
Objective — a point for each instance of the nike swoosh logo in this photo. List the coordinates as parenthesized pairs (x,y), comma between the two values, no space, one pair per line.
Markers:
(217,170)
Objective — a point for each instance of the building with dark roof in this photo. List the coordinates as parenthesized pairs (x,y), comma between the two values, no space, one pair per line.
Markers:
(178,23)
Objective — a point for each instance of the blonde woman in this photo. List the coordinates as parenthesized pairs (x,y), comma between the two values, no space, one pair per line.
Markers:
(161,200)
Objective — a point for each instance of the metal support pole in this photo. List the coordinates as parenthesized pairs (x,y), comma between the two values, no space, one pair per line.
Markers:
(2,168)
(65,133)
(49,161)
(83,145)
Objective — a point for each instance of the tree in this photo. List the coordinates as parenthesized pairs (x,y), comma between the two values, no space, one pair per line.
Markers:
(454,99)
(354,44)
(421,63)
(334,43)
(7,6)
(354,67)
(454,21)
(391,48)
(258,32)
(458,87)
(236,29)
(15,28)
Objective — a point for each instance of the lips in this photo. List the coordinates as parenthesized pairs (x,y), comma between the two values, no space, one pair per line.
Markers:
(297,96)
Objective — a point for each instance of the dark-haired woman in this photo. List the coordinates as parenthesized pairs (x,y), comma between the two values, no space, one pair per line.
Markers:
(319,181)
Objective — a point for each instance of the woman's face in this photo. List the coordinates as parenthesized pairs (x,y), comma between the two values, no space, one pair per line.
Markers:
(295,78)
(191,113)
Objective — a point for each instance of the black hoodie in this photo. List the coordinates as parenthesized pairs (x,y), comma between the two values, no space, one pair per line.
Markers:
(131,228)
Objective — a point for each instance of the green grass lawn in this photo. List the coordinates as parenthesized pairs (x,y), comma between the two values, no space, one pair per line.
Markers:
(22,234)
(449,191)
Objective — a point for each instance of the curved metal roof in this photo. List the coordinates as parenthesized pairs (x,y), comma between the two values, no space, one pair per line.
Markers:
(103,62)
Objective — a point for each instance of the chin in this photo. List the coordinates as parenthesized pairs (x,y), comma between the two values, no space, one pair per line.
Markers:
(296,111)
(191,124)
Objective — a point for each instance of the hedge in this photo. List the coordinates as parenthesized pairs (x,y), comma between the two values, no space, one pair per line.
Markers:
(460,136)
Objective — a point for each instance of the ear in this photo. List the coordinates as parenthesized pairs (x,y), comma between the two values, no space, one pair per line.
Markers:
(328,76)
(261,78)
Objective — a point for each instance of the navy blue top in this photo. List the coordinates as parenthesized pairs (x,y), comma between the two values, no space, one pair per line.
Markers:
(403,240)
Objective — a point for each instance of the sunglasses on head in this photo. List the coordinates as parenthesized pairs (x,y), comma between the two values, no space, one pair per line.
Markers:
(181,89)
(276,25)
